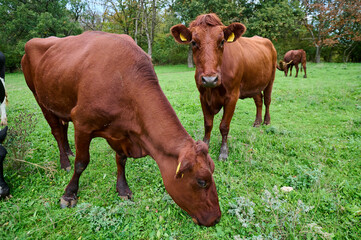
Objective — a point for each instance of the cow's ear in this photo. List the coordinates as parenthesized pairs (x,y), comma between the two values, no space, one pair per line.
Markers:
(233,31)
(181,34)
(183,166)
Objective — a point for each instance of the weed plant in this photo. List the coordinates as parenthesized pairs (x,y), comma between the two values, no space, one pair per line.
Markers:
(313,145)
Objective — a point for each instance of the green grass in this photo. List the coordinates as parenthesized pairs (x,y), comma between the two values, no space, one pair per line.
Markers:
(313,144)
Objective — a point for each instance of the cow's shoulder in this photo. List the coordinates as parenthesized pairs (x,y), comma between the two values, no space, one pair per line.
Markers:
(40,45)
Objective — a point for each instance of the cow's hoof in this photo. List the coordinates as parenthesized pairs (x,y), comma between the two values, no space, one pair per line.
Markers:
(70,153)
(257,124)
(67,202)
(4,190)
(223,157)
(266,123)
(4,122)
(126,197)
(67,167)
(125,194)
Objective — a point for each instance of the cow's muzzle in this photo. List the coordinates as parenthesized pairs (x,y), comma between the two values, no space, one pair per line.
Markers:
(209,222)
(210,81)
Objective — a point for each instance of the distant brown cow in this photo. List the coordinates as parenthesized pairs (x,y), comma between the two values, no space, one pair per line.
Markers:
(228,67)
(293,58)
(106,85)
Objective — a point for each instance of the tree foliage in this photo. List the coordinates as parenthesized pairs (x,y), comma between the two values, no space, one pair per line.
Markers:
(21,20)
(314,25)
(333,23)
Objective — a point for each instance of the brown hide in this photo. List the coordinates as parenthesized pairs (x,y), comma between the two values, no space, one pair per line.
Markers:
(228,67)
(293,58)
(106,85)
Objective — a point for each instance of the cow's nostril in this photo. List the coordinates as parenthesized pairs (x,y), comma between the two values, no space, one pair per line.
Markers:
(204,80)
(209,81)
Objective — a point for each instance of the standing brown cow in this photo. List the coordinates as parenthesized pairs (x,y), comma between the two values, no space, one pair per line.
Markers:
(228,67)
(293,58)
(106,85)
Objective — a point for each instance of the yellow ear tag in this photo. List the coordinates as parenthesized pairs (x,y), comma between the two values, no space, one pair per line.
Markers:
(182,38)
(179,164)
(231,38)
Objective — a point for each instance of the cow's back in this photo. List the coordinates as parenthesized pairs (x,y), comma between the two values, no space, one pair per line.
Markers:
(296,56)
(251,62)
(65,72)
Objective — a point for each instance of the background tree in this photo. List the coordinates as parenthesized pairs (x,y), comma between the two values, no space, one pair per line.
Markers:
(347,32)
(313,25)
(277,20)
(21,20)
(90,13)
(333,22)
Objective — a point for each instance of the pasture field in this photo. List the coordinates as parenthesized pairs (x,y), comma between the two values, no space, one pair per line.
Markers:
(313,145)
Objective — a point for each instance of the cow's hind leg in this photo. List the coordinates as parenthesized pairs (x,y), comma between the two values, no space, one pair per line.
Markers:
(267,102)
(82,143)
(304,68)
(59,129)
(296,66)
(258,100)
(122,186)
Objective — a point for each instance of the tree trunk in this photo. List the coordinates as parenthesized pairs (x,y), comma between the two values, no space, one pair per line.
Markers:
(139,11)
(318,54)
(154,16)
(136,31)
(190,57)
(347,53)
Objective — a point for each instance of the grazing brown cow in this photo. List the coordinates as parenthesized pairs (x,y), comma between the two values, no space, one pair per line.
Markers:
(293,58)
(228,67)
(106,85)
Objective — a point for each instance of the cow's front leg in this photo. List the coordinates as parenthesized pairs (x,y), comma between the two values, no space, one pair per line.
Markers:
(82,142)
(122,186)
(291,70)
(258,100)
(208,122)
(224,127)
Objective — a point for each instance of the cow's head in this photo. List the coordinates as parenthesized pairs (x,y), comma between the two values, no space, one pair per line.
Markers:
(283,66)
(208,37)
(192,187)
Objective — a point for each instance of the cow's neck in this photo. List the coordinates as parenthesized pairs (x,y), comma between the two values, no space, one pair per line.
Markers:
(163,134)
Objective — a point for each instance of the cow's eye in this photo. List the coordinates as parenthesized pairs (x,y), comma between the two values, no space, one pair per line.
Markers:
(194,44)
(221,44)
(202,183)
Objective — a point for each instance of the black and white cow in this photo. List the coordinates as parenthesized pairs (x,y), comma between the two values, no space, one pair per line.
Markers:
(4,120)
(4,188)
